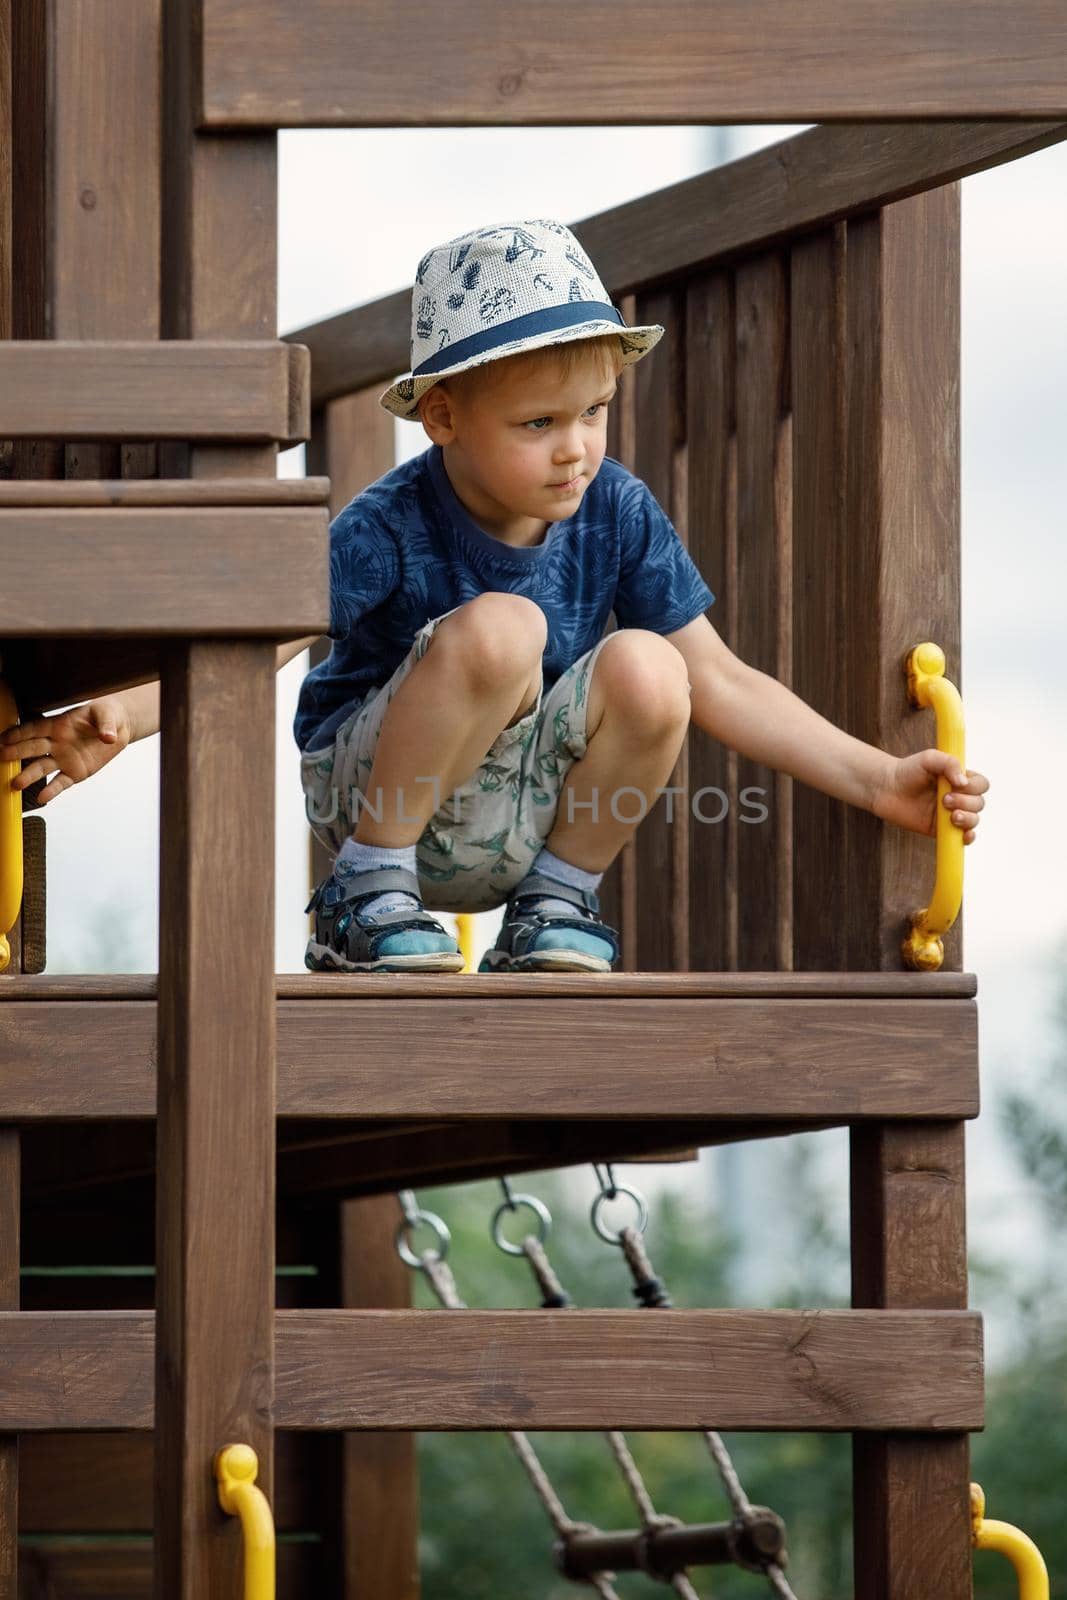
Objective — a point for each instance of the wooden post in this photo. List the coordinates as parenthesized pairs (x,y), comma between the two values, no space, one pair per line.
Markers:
(901,578)
(9,1301)
(215,1184)
(377,1490)
(379,1471)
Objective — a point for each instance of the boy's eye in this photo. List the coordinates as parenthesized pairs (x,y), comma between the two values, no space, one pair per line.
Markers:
(538,424)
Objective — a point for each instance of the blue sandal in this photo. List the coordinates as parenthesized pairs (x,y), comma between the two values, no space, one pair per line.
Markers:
(552,941)
(348,940)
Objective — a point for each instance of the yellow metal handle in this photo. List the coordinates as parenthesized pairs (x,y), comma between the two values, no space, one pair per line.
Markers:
(235,1468)
(10,833)
(1022,1552)
(927,686)
(465,934)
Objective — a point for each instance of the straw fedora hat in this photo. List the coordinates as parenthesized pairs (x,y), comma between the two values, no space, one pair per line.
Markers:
(499,291)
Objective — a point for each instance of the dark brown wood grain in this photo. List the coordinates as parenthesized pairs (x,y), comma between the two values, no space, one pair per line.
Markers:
(820,888)
(621,61)
(818,1059)
(33,916)
(711,529)
(185,571)
(172,389)
(10,1260)
(801,184)
(767,986)
(387,1370)
(92,1570)
(763,799)
(659,433)
(126,493)
(912,1520)
(378,1478)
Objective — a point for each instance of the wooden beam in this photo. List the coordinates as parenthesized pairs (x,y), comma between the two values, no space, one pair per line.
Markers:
(378,1478)
(10,1259)
(778,1370)
(807,182)
(184,493)
(332,64)
(165,389)
(211,571)
(835,1061)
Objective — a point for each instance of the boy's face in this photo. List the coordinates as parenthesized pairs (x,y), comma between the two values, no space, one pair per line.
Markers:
(525,441)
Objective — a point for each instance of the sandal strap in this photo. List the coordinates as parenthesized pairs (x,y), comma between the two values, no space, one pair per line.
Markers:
(333,890)
(539,886)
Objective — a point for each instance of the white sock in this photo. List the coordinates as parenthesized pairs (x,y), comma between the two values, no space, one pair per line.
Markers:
(356,857)
(553,867)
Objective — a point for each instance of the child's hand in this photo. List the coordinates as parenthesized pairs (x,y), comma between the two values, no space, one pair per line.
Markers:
(908,793)
(72,745)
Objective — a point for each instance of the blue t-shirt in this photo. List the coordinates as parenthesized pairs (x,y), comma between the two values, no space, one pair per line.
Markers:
(407,549)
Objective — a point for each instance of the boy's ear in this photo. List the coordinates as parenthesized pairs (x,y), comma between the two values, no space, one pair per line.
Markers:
(437,414)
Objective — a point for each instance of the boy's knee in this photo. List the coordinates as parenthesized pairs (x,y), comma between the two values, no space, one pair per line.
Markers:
(644,675)
(496,635)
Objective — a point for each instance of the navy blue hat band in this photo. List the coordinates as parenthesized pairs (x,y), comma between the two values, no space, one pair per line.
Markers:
(551,320)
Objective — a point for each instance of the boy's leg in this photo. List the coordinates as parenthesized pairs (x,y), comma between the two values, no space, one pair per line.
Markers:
(481,673)
(479,666)
(637,717)
(637,713)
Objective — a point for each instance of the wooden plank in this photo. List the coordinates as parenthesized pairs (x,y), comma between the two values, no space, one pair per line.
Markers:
(824,1060)
(712,525)
(659,845)
(170,493)
(32,919)
(765,986)
(801,184)
(10,1260)
(166,389)
(620,61)
(231,570)
(89,1570)
(106,1482)
(214,1352)
(778,1370)
(912,1520)
(821,892)
(902,577)
(763,800)
(379,1477)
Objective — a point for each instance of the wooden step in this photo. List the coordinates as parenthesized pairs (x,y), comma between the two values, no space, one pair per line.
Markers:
(232,391)
(427,1370)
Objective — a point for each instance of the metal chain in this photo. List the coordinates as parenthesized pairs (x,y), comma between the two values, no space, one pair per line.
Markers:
(441,1280)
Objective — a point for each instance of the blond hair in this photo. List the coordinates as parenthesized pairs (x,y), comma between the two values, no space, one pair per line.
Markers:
(564,358)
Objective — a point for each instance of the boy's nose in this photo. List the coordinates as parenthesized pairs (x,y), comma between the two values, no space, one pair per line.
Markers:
(570,448)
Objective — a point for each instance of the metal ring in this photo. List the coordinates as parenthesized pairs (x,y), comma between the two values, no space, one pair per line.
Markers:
(429,1219)
(602,1199)
(540,1211)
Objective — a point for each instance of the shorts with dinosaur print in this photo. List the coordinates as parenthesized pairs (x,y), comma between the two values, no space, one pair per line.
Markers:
(484,836)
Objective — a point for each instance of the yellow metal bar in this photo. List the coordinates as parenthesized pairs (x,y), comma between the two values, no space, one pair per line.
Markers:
(10,833)
(1021,1551)
(465,936)
(927,686)
(235,1468)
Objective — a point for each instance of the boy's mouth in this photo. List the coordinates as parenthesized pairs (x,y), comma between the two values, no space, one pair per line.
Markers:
(569,484)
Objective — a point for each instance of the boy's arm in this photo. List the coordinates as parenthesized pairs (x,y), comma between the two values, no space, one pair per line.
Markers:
(756,715)
(71,746)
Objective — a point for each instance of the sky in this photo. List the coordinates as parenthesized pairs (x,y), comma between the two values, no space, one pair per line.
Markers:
(357,209)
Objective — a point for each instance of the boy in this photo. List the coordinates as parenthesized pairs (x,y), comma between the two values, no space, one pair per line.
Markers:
(474,739)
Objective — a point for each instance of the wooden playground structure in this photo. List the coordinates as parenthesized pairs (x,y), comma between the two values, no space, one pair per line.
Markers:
(801,426)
